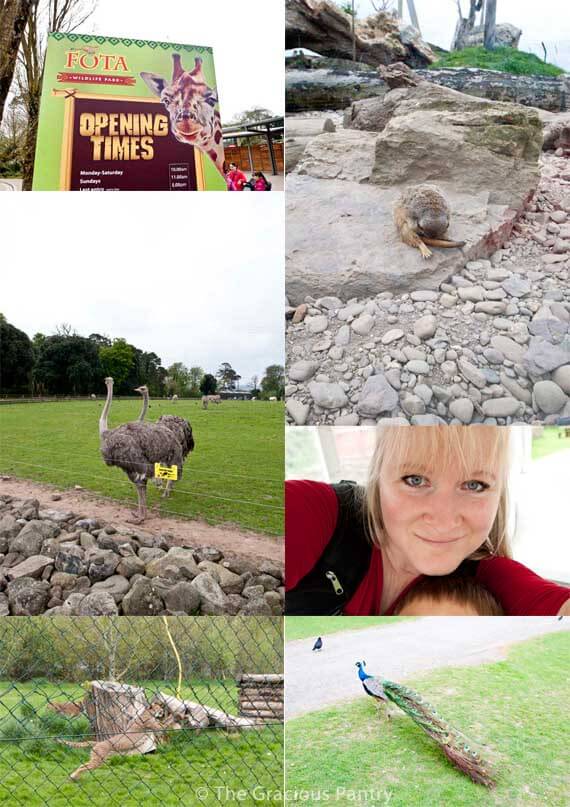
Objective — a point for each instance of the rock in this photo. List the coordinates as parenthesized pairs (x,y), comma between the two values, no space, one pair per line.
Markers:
(148,553)
(116,585)
(425,327)
(102,564)
(70,558)
(182,597)
(9,528)
(97,603)
(256,607)
(363,324)
(229,582)
(316,324)
(472,374)
(424,296)
(418,367)
(549,397)
(543,357)
(298,411)
(328,396)
(213,601)
(490,307)
(472,294)
(380,39)
(508,347)
(177,564)
(561,376)
(29,540)
(4,606)
(31,567)
(516,286)
(27,597)
(518,392)
(130,566)
(462,409)
(377,396)
(413,405)
(303,370)
(501,407)
(142,599)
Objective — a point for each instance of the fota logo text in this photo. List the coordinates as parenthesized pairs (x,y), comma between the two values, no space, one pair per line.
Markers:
(88,60)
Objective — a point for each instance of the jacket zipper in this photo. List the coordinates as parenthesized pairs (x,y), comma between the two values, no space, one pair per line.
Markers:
(335,582)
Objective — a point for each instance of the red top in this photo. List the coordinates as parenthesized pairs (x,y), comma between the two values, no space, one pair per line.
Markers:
(311,510)
(238,179)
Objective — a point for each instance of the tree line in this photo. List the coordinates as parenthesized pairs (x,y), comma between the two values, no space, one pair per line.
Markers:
(66,363)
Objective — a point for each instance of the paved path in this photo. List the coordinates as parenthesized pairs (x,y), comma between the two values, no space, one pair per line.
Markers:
(318,680)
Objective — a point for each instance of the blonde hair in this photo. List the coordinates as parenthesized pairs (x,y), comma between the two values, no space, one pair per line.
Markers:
(474,447)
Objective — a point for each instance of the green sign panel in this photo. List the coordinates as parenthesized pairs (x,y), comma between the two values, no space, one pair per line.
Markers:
(123,114)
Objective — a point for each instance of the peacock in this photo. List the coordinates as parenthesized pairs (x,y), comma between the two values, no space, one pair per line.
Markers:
(456,747)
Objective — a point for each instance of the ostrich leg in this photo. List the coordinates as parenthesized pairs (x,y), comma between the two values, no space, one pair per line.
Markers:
(167,489)
(140,514)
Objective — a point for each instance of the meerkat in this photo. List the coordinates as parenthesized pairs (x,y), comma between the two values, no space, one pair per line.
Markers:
(422,216)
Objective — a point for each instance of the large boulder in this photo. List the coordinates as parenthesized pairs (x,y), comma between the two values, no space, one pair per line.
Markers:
(334,84)
(341,235)
(29,540)
(381,38)
(27,597)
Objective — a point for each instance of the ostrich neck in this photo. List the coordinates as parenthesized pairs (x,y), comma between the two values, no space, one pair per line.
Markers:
(144,407)
(104,414)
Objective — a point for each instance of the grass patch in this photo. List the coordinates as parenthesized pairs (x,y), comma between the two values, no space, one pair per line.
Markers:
(234,475)
(551,440)
(515,709)
(304,627)
(506,60)
(187,770)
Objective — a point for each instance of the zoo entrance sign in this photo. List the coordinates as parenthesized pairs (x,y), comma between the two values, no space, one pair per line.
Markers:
(123,114)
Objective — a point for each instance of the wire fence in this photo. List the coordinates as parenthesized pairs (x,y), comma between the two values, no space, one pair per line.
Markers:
(123,711)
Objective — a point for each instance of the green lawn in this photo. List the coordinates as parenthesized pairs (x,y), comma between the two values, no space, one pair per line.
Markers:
(506,60)
(188,770)
(551,440)
(304,627)
(516,709)
(234,475)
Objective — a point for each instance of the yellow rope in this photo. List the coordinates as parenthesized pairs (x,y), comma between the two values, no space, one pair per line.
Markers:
(171,640)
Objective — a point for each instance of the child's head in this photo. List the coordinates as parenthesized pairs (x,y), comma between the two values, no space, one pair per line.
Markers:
(448,596)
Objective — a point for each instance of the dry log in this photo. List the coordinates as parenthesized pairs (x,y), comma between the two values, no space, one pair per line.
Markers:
(270,678)
(116,709)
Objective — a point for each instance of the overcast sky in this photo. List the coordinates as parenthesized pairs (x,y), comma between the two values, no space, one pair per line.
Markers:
(547,20)
(201,282)
(247,38)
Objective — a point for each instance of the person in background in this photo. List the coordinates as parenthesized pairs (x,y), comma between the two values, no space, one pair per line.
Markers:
(235,178)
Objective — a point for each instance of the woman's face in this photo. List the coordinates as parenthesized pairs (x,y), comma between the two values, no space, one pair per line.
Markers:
(435,518)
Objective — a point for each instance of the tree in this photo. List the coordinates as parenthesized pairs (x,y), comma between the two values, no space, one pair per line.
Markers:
(490,24)
(227,375)
(466,25)
(196,374)
(46,16)
(178,379)
(252,115)
(68,365)
(13,21)
(16,359)
(254,383)
(273,383)
(208,385)
(117,360)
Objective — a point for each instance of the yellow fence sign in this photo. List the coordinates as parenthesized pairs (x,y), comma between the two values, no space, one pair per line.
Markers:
(165,471)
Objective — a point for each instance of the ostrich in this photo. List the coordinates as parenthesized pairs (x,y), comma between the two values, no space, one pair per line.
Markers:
(144,392)
(136,447)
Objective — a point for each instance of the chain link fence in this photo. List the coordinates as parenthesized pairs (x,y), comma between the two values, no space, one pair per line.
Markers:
(123,711)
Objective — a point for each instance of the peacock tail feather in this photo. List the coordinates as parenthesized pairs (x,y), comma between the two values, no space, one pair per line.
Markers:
(455,745)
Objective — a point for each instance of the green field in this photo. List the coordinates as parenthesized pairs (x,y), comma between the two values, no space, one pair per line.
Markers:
(187,770)
(234,475)
(552,439)
(505,60)
(304,627)
(516,710)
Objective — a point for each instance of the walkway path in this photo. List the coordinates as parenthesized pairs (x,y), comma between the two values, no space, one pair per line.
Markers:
(318,680)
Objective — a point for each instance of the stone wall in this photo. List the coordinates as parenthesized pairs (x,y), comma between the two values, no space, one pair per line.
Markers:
(545,92)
